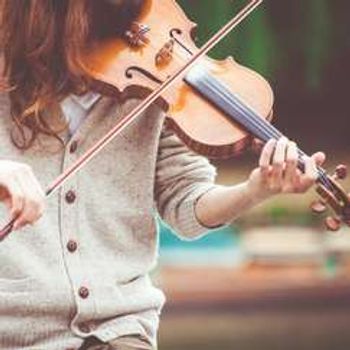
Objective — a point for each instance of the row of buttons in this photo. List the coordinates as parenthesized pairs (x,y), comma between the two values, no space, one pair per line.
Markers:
(72,245)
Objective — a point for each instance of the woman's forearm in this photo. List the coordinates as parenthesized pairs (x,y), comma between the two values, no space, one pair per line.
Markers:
(224,204)
(277,173)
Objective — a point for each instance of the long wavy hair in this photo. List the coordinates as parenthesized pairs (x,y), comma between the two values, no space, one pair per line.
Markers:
(42,43)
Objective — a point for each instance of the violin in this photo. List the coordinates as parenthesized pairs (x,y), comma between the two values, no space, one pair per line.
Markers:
(216,107)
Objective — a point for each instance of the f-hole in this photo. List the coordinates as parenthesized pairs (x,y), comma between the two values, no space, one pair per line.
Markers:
(129,73)
(174,33)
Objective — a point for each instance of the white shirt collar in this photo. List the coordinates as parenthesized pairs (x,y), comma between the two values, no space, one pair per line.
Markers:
(87,100)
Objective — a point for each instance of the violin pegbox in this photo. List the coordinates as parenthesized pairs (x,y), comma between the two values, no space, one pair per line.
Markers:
(136,35)
(333,195)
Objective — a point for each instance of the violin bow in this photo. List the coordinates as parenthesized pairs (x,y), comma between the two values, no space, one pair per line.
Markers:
(139,109)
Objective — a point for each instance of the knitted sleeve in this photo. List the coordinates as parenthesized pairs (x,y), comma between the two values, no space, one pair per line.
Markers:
(182,177)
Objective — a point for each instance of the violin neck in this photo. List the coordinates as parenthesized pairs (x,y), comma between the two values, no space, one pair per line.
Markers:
(234,108)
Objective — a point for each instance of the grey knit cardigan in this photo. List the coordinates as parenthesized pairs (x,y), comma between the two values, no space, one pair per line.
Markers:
(83,268)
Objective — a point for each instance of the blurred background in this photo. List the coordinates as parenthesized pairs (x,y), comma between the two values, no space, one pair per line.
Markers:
(275,279)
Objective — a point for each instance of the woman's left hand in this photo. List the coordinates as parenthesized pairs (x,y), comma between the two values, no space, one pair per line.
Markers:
(278,170)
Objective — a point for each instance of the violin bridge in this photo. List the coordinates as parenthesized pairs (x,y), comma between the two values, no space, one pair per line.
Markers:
(165,54)
(136,36)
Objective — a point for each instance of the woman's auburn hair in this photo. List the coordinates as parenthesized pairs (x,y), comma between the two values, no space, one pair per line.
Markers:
(42,42)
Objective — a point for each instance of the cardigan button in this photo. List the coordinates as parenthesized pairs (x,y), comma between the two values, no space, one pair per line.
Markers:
(84,292)
(72,246)
(70,197)
(84,327)
(73,146)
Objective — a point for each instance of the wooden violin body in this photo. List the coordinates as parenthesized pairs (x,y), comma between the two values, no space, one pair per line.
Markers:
(153,49)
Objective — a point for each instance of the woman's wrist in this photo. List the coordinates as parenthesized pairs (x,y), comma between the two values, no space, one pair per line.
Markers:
(223,204)
(255,193)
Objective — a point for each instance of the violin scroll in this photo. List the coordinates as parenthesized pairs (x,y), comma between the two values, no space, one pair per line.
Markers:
(333,195)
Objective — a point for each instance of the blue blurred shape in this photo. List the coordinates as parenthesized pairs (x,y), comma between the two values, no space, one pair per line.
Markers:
(217,248)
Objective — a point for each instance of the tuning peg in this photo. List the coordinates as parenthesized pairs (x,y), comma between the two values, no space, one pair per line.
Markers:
(346,213)
(318,206)
(341,172)
(333,223)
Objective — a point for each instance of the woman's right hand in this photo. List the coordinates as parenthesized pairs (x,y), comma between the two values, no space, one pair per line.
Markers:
(21,192)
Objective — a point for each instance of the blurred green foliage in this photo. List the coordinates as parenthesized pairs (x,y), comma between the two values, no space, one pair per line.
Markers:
(307,32)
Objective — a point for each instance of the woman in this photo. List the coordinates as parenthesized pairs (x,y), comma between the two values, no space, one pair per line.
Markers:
(78,277)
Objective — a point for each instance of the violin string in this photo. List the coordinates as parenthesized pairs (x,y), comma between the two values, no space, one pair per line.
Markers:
(268,130)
